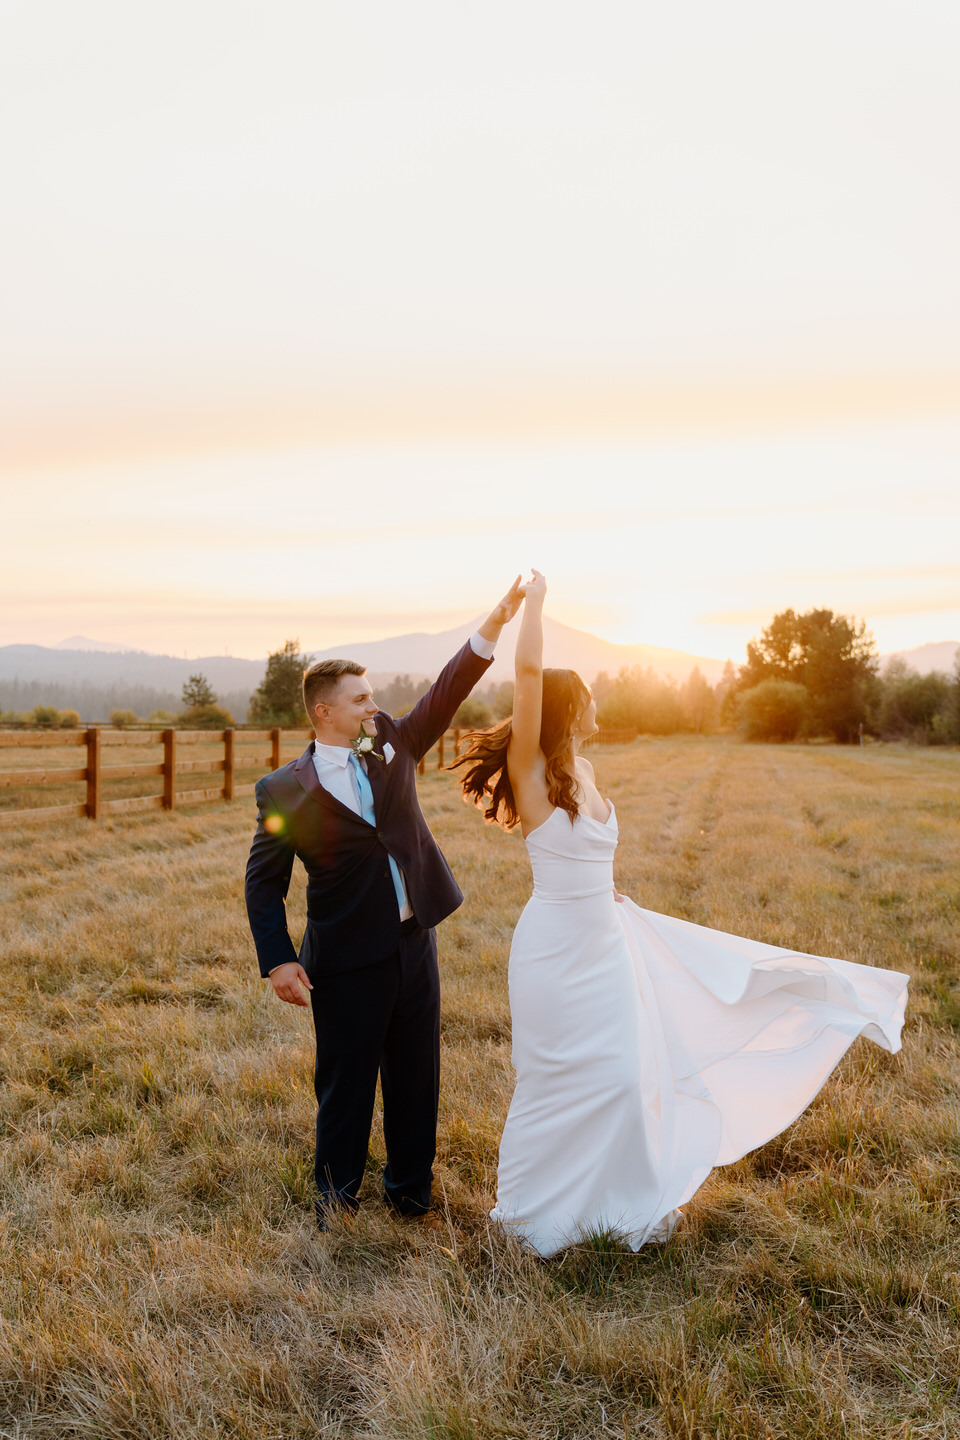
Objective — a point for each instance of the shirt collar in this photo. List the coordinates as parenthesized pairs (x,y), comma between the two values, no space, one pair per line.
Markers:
(333,754)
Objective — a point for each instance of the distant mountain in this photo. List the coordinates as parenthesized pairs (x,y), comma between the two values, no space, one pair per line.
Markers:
(82,642)
(563,646)
(98,676)
(94,681)
(132,667)
(937,655)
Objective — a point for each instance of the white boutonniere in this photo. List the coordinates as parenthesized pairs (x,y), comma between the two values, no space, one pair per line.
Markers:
(363,745)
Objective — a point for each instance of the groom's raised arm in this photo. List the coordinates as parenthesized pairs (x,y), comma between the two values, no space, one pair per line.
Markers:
(433,712)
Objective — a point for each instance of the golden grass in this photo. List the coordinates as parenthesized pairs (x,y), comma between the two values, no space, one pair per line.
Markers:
(162,1276)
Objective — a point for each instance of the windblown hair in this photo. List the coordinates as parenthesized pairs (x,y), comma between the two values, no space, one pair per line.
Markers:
(565,697)
(320,681)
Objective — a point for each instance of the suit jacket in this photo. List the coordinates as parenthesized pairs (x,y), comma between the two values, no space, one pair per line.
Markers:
(353,917)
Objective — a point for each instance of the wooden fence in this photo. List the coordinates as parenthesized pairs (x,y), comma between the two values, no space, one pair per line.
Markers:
(242,750)
(99,741)
(239,755)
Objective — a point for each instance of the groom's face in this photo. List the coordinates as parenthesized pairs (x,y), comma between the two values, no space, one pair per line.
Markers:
(352,704)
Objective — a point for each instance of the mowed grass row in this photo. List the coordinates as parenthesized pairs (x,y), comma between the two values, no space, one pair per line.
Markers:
(162,1276)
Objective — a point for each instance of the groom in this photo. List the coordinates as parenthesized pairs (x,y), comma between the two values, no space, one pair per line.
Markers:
(377,885)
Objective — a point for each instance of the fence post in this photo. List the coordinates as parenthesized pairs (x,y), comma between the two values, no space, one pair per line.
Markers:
(275,749)
(93,773)
(440,751)
(169,768)
(456,744)
(228,764)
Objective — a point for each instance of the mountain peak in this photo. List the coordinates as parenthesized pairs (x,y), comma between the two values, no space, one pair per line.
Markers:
(935,655)
(82,642)
(563,646)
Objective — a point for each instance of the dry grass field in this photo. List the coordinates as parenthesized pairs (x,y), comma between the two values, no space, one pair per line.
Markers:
(161,1274)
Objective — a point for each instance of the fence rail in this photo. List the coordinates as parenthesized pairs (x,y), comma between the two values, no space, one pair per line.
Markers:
(100,743)
(611,737)
(238,756)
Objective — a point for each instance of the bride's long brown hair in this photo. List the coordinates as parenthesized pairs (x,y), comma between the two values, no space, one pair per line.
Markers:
(565,697)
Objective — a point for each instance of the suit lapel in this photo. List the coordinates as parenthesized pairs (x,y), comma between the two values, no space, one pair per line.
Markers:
(306,773)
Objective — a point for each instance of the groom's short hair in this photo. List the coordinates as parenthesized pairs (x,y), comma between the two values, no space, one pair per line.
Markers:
(321,679)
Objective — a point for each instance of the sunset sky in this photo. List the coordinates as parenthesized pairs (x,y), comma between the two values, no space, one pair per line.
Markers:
(323,321)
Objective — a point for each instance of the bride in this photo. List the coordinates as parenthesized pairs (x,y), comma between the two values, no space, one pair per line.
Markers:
(646,1049)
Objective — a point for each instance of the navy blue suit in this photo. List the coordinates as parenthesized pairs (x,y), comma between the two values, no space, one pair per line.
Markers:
(376,995)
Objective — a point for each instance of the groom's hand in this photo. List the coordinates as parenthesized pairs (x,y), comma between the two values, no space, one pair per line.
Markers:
(287,981)
(503,612)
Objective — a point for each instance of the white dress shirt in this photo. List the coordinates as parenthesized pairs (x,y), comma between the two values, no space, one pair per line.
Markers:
(336,775)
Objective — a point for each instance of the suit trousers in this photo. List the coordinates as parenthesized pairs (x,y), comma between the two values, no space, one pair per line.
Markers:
(381,1019)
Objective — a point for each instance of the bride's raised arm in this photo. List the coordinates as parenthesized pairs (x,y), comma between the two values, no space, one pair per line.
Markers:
(504,767)
(524,756)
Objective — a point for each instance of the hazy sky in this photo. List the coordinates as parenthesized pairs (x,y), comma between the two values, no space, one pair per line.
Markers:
(322,320)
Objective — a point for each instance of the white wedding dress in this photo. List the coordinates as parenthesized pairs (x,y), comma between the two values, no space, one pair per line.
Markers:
(648,1049)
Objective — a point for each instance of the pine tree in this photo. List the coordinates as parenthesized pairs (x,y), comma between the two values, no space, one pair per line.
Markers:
(698,702)
(198,691)
(279,696)
(727,699)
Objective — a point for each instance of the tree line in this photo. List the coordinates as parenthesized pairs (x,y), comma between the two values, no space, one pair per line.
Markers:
(807,676)
(96,702)
(199,710)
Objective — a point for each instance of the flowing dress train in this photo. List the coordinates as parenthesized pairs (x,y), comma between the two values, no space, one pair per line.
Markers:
(648,1050)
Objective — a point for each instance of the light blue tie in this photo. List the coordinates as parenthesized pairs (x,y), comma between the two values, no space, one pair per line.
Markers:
(368,813)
